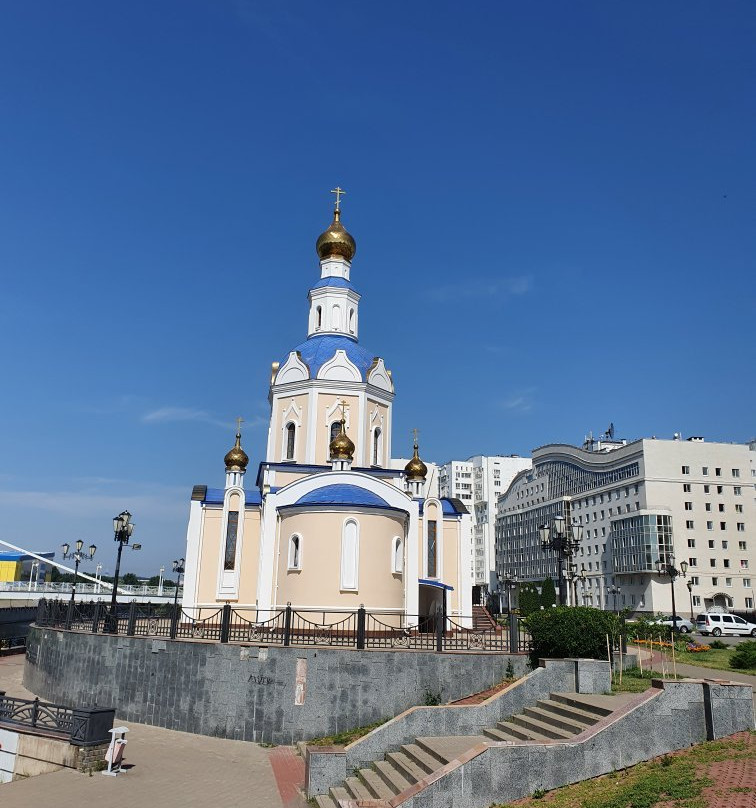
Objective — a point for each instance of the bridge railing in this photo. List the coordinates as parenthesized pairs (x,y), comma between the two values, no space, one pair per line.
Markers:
(66,587)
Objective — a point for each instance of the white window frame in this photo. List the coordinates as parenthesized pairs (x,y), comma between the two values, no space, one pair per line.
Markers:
(350,562)
(292,566)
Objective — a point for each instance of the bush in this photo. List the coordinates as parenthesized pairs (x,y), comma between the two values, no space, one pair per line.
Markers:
(744,656)
(642,628)
(571,631)
(548,594)
(529,599)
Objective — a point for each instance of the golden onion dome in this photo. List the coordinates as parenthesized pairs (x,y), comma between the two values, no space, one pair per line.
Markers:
(416,470)
(236,459)
(341,447)
(336,241)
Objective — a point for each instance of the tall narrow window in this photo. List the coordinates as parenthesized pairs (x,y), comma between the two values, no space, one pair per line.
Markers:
(232,527)
(397,555)
(377,446)
(295,553)
(291,432)
(319,317)
(351,326)
(336,318)
(349,555)
(335,429)
(432,548)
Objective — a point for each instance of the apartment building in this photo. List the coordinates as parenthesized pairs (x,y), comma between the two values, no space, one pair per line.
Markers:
(636,503)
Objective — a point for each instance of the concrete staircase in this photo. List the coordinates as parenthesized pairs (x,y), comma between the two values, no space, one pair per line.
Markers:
(482,619)
(559,717)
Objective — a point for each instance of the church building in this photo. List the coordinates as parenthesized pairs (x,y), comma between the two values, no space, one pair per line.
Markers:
(327,523)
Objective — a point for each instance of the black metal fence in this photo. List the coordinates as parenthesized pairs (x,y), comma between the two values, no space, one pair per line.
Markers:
(80,727)
(347,629)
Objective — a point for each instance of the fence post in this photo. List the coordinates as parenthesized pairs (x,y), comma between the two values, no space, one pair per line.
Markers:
(35,712)
(287,625)
(225,622)
(623,630)
(361,627)
(174,620)
(131,625)
(41,612)
(514,634)
(69,615)
(96,617)
(439,632)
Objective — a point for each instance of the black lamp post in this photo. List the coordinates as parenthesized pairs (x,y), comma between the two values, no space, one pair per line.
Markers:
(564,539)
(690,593)
(123,527)
(78,556)
(667,567)
(614,590)
(178,568)
(509,582)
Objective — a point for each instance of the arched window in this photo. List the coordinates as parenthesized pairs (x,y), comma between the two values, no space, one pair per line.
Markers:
(336,318)
(318,317)
(351,321)
(291,433)
(432,549)
(377,446)
(397,555)
(350,553)
(295,552)
(335,429)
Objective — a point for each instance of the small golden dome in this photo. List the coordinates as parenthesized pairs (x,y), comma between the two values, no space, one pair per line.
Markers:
(236,459)
(335,241)
(416,470)
(341,447)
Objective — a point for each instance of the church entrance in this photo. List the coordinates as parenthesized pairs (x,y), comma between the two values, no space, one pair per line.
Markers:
(432,605)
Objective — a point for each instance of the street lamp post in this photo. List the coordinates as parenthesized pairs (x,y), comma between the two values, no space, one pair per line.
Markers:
(614,590)
(564,539)
(98,576)
(667,567)
(690,593)
(178,568)
(34,566)
(123,527)
(78,556)
(160,582)
(509,582)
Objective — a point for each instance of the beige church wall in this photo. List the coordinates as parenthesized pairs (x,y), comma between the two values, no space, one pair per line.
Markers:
(432,511)
(322,425)
(249,556)
(207,586)
(451,563)
(381,419)
(318,583)
(285,477)
(301,402)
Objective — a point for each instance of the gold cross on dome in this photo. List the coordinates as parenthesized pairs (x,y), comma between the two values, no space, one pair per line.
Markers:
(414,434)
(339,193)
(239,422)
(343,408)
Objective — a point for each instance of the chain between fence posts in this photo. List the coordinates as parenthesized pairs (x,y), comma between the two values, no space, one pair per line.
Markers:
(361,628)
(439,632)
(287,625)
(174,620)
(96,617)
(131,625)
(514,633)
(225,623)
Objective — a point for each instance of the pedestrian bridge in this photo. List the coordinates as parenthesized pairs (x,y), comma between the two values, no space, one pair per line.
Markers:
(17,593)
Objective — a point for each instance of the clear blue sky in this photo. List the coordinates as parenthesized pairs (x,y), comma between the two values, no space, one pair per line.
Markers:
(554,206)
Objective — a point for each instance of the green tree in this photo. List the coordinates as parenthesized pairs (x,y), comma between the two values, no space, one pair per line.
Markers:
(529,599)
(548,594)
(130,579)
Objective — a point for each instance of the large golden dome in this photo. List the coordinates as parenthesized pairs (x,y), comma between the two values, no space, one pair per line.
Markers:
(236,459)
(335,241)
(341,447)
(416,470)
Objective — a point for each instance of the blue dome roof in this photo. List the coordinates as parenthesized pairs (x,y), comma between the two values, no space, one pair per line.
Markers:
(342,494)
(341,283)
(317,350)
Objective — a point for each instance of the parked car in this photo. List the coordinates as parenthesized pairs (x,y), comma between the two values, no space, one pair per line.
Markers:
(682,624)
(717,624)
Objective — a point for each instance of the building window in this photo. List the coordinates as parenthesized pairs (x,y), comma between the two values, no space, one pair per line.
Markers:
(741,527)
(721,507)
(351,321)
(397,555)
(232,528)
(712,562)
(350,551)
(696,600)
(686,488)
(744,563)
(725,545)
(686,469)
(738,508)
(688,506)
(694,580)
(715,581)
(747,583)
(711,544)
(692,562)
(710,525)
(736,490)
(432,549)
(720,489)
(335,430)
(705,471)
(318,318)
(718,472)
(377,446)
(689,524)
(707,506)
(728,581)
(723,525)
(295,552)
(736,472)
(749,603)
(726,563)
(742,545)
(691,542)
(291,432)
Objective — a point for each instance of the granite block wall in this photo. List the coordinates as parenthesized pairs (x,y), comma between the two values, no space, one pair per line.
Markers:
(271,694)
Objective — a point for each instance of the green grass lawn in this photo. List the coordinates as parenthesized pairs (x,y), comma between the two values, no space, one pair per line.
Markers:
(717,658)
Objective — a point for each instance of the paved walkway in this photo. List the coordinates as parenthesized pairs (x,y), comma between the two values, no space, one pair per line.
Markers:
(167,768)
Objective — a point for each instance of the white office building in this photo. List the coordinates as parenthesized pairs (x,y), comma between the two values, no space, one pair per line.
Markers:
(478,482)
(638,503)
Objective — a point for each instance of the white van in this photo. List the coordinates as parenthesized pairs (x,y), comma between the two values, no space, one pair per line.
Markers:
(717,624)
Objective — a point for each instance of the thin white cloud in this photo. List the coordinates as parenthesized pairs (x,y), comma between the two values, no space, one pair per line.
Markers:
(519,401)
(491,289)
(165,415)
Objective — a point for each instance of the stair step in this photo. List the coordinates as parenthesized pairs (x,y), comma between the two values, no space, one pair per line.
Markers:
(395,779)
(570,725)
(568,711)
(522,733)
(497,734)
(596,704)
(427,762)
(448,747)
(375,784)
(542,727)
(406,766)
(326,801)
(339,793)
(357,789)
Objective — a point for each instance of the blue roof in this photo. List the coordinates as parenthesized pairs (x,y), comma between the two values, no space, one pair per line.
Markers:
(214,496)
(447,507)
(342,494)
(317,350)
(341,283)
(10,555)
